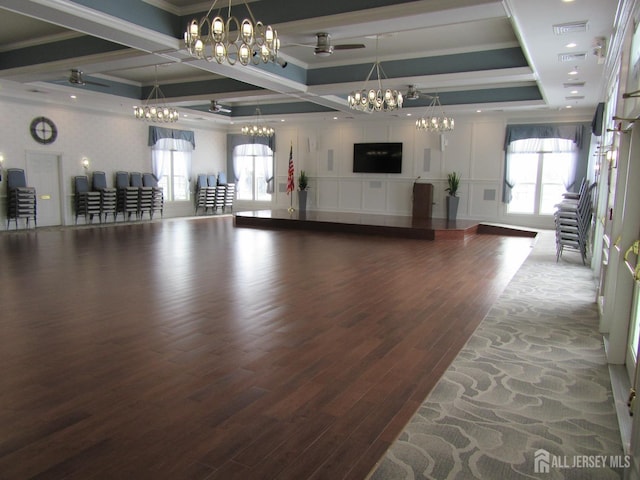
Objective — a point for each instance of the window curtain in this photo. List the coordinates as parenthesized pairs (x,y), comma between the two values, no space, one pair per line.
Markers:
(559,147)
(262,154)
(165,140)
(514,133)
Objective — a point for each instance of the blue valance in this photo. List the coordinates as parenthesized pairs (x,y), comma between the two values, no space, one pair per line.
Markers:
(520,132)
(157,133)
(234,139)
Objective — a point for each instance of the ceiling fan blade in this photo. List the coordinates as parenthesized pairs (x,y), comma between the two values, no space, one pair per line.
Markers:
(89,82)
(348,46)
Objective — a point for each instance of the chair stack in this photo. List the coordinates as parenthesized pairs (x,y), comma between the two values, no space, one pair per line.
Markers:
(209,195)
(157,195)
(108,196)
(86,202)
(145,195)
(572,220)
(229,196)
(21,200)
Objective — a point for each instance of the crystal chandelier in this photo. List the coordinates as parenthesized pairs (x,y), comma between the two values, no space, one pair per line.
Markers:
(375,100)
(435,120)
(230,40)
(258,129)
(155,108)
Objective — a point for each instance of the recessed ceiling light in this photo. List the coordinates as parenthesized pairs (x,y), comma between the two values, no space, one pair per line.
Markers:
(574,71)
(567,1)
(282,120)
(335,118)
(569,106)
(408,114)
(573,92)
(73,97)
(571,45)
(478,111)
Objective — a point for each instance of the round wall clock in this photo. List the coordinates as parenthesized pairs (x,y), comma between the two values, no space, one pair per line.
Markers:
(43,130)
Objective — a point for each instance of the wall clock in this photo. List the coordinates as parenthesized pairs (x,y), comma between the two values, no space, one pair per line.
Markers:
(43,130)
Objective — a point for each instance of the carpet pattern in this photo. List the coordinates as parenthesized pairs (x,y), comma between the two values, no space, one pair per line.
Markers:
(532,376)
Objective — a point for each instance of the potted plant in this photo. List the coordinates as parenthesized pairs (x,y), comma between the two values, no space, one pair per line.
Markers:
(453,182)
(303,185)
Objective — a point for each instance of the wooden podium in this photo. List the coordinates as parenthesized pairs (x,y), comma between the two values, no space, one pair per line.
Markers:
(422,201)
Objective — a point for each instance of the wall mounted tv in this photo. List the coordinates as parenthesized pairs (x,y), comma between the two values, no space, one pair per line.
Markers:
(377,157)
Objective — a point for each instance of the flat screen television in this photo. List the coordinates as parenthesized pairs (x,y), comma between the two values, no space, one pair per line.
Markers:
(377,157)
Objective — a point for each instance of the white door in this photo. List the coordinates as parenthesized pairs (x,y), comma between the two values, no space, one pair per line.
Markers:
(43,173)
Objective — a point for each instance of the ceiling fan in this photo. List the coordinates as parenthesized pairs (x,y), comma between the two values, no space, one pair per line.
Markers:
(76,79)
(413,93)
(324,48)
(217,108)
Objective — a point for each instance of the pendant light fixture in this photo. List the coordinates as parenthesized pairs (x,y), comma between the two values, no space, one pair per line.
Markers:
(229,40)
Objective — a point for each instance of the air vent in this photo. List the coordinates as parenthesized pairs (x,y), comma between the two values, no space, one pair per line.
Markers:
(572,27)
(573,85)
(572,57)
(575,97)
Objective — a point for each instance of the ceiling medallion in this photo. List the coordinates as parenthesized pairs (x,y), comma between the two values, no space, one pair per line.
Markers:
(230,40)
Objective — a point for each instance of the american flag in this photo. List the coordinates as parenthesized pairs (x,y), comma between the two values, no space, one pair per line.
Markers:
(290,184)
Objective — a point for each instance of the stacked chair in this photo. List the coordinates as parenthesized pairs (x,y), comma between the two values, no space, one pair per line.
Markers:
(572,220)
(207,193)
(145,195)
(138,194)
(127,194)
(86,202)
(21,200)
(157,195)
(108,196)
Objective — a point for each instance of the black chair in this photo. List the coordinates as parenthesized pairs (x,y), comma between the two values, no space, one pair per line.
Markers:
(108,196)
(21,200)
(202,187)
(86,201)
(157,197)
(127,195)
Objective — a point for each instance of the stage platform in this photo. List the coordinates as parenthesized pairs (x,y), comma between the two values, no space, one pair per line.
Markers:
(370,224)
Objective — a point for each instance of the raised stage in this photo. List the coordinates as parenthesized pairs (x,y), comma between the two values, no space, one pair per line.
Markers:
(387,225)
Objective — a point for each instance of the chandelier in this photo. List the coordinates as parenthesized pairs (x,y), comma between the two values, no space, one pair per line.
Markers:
(258,129)
(155,108)
(375,100)
(230,40)
(435,121)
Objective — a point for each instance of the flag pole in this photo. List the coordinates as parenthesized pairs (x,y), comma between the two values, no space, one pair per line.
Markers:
(290,180)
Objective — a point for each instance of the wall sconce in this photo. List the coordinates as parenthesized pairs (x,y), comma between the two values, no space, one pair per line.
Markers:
(85,163)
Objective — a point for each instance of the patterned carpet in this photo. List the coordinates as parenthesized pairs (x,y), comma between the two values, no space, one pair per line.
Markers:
(533,376)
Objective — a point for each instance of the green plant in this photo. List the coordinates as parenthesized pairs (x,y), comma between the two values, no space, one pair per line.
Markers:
(303,180)
(453,182)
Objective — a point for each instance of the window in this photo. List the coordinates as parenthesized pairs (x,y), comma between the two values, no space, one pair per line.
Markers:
(171,162)
(175,179)
(253,169)
(539,171)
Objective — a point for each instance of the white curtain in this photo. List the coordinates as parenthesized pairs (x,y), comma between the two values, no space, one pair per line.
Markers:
(263,156)
(561,150)
(161,156)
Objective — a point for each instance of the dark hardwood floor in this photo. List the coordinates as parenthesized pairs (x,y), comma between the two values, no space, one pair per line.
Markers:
(187,349)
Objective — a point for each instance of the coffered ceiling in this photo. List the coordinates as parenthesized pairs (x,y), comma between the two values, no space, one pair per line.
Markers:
(475,54)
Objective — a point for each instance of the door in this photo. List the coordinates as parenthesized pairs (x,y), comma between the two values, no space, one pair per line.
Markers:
(43,173)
